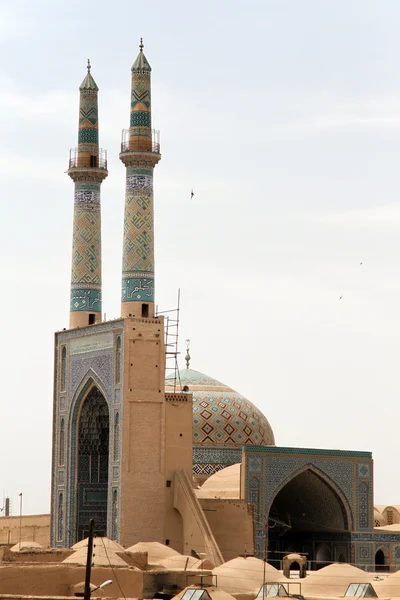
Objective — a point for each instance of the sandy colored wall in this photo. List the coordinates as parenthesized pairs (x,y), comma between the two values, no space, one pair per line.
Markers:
(173,581)
(178,455)
(143,432)
(59,580)
(35,528)
(231,522)
(197,534)
(33,556)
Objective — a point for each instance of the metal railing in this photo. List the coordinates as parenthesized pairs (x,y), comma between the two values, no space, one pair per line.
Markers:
(138,139)
(84,160)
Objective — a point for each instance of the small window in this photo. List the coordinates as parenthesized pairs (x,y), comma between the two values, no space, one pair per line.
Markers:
(168,483)
(93,161)
(145,310)
(92,317)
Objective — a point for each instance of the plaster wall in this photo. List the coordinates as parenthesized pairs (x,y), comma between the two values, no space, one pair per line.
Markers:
(178,455)
(59,580)
(197,534)
(231,522)
(174,581)
(33,556)
(35,528)
(143,432)
(391,514)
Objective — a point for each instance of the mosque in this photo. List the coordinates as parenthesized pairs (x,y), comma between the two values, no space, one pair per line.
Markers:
(183,460)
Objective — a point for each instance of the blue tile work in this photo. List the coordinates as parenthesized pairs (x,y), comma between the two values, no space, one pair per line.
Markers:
(207,461)
(367,544)
(312,451)
(138,242)
(85,293)
(365,509)
(83,370)
(349,474)
(139,159)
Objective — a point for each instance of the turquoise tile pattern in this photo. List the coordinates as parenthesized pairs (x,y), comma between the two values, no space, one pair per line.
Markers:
(138,240)
(86,237)
(222,417)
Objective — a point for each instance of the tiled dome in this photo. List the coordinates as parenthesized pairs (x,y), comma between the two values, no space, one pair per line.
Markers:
(221,416)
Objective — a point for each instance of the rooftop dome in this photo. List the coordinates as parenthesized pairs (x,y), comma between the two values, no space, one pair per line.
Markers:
(222,484)
(221,416)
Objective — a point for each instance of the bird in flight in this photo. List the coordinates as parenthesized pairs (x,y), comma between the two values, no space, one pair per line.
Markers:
(360,264)
(340,297)
(191,194)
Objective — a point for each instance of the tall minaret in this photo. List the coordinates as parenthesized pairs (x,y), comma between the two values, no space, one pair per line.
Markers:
(87,168)
(140,152)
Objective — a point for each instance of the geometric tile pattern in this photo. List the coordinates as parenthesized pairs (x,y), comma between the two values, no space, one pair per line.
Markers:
(276,467)
(86,254)
(138,244)
(141,102)
(86,246)
(98,366)
(86,237)
(221,416)
(227,418)
(216,455)
(207,469)
(138,241)
(88,117)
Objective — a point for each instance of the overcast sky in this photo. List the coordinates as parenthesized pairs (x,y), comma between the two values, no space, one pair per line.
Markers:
(284,118)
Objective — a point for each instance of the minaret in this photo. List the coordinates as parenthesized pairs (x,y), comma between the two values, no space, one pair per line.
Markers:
(87,168)
(140,152)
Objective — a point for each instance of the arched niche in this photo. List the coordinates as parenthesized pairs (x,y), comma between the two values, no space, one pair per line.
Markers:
(382,560)
(305,506)
(90,450)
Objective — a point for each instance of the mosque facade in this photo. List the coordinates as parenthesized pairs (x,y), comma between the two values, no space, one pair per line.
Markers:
(144,455)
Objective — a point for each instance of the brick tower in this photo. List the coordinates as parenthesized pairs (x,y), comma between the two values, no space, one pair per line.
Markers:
(140,152)
(87,168)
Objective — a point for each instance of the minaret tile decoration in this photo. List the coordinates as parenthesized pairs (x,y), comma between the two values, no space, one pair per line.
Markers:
(87,168)
(140,152)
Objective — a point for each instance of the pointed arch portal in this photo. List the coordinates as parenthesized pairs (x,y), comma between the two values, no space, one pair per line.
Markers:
(93,433)
(304,513)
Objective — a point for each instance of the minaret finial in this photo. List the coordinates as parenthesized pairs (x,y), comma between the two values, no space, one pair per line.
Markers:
(141,46)
(187,357)
(88,65)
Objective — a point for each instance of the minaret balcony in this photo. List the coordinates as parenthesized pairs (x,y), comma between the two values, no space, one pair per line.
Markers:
(87,160)
(140,139)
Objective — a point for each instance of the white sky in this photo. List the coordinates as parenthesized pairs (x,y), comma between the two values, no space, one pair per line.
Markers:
(284,117)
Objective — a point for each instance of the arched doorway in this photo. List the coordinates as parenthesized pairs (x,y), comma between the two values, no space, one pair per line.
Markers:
(92,464)
(323,556)
(304,512)
(381,563)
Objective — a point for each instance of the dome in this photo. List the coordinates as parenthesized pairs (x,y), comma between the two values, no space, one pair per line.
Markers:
(222,484)
(221,416)
(379,519)
(244,575)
